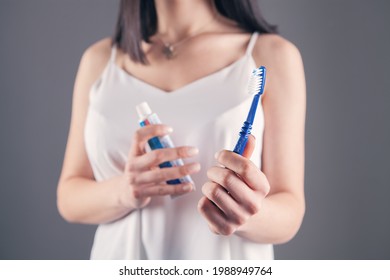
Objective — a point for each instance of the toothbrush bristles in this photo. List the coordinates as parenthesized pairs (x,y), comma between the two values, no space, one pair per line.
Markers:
(256,82)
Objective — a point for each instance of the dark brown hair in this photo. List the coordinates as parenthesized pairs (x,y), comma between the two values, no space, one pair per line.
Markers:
(137,21)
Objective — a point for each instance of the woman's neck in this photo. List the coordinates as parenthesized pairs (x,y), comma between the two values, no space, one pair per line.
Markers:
(178,19)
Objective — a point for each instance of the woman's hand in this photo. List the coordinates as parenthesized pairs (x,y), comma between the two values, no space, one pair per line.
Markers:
(143,179)
(234,193)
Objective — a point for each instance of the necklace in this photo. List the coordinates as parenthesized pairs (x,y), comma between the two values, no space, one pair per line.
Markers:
(169,50)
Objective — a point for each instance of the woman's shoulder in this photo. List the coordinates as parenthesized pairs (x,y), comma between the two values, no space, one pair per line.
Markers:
(94,60)
(98,54)
(281,58)
(275,50)
(284,66)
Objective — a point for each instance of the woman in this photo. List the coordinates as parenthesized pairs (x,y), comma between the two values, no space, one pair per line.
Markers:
(190,60)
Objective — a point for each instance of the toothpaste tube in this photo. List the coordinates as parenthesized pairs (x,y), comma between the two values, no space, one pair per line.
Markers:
(147,117)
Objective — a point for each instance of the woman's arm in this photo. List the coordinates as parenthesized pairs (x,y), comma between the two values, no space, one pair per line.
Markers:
(284,106)
(79,197)
(266,206)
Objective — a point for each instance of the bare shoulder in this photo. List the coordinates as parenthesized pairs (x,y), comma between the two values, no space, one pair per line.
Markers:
(92,64)
(98,52)
(274,49)
(283,62)
(96,56)
(91,67)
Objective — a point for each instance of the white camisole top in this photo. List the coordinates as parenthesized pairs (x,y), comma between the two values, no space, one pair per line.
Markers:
(207,113)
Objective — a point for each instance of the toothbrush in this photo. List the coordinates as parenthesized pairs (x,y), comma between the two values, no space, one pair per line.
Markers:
(256,87)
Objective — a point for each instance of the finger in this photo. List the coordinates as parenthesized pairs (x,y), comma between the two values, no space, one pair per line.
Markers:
(215,217)
(245,168)
(142,135)
(156,157)
(159,175)
(232,210)
(249,147)
(162,189)
(237,189)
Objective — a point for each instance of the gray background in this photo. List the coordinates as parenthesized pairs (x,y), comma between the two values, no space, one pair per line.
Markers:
(345,47)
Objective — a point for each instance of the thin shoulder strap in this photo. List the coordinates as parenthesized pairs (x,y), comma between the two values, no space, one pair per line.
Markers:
(252,43)
(113,54)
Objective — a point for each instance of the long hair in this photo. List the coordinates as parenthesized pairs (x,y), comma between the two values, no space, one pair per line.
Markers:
(137,22)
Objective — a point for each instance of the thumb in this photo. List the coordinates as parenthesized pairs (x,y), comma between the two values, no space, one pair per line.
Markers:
(249,147)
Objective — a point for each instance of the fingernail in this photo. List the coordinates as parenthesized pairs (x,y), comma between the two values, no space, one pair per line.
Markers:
(195,167)
(216,155)
(192,151)
(187,188)
(168,129)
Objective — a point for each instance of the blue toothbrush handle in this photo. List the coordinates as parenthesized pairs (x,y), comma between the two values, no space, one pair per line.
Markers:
(240,146)
(241,143)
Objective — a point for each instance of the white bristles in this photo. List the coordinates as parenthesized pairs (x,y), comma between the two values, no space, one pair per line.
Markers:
(256,81)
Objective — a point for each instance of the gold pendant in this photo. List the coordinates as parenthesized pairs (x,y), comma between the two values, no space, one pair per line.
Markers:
(168,51)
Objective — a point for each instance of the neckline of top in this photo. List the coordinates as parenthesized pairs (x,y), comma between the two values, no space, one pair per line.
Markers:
(248,54)
(186,86)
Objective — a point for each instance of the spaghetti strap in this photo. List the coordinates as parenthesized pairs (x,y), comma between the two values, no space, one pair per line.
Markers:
(113,54)
(251,43)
